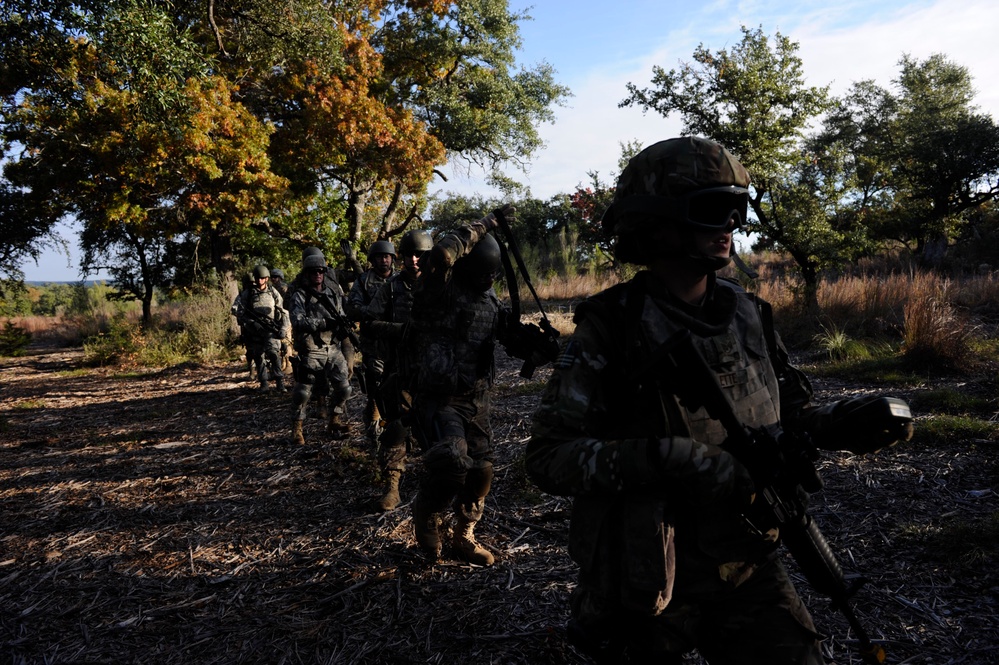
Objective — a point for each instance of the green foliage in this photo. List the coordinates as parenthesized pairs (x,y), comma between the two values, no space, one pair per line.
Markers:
(886,369)
(958,543)
(119,344)
(15,299)
(13,340)
(953,402)
(838,345)
(939,430)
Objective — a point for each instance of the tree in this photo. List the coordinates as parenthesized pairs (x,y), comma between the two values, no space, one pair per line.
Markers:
(258,118)
(753,100)
(946,153)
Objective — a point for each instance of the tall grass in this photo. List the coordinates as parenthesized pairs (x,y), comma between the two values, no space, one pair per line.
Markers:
(922,316)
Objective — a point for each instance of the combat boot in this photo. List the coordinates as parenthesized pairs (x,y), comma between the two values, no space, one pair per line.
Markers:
(323,413)
(336,427)
(465,544)
(279,384)
(296,433)
(426,526)
(391,498)
(264,386)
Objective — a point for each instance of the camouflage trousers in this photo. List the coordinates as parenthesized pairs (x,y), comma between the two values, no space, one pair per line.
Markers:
(266,357)
(456,438)
(763,620)
(325,372)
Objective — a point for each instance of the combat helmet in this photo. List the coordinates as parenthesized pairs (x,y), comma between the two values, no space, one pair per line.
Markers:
(381,247)
(690,182)
(416,241)
(277,272)
(480,267)
(261,272)
(313,260)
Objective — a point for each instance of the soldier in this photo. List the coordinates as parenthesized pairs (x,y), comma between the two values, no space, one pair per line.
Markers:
(456,317)
(388,314)
(259,310)
(277,281)
(321,366)
(381,256)
(666,561)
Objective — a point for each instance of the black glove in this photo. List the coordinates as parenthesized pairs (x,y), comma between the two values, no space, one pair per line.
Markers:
(862,424)
(710,474)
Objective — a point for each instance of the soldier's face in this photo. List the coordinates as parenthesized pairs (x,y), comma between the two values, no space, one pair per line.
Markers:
(262,283)
(411,263)
(316,277)
(382,263)
(714,244)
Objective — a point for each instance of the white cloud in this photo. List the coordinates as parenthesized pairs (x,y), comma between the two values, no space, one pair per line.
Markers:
(836,48)
(962,31)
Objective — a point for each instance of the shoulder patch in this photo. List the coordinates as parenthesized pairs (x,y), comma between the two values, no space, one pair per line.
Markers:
(567,357)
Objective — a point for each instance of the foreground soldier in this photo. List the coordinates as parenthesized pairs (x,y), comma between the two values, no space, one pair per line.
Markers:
(381,255)
(455,320)
(388,314)
(259,310)
(317,334)
(666,561)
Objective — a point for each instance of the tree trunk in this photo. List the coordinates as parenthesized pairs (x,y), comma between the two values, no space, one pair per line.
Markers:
(222,260)
(357,199)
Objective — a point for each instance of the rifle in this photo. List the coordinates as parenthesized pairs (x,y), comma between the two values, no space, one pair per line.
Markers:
(781,465)
(534,344)
(345,326)
(268,324)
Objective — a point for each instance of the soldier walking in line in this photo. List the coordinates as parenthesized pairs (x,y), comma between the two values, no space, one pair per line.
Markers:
(456,317)
(317,320)
(381,256)
(387,315)
(259,310)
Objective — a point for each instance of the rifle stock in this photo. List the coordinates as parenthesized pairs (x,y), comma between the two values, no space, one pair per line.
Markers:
(781,466)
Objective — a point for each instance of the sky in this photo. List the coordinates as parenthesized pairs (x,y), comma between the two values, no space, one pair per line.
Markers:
(597,47)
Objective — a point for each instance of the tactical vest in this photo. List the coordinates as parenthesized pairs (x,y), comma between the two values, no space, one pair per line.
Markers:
(455,340)
(306,304)
(400,301)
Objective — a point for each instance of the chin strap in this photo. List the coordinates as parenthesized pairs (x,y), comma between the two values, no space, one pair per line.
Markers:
(741,265)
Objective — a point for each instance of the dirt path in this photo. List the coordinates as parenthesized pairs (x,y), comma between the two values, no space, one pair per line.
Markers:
(165,517)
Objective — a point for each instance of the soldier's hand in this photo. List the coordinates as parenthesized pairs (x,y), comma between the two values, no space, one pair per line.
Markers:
(506,213)
(864,424)
(709,473)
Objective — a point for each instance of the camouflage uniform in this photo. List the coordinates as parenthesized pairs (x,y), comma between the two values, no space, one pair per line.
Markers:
(392,304)
(668,577)
(263,348)
(454,329)
(321,365)
(372,353)
(666,563)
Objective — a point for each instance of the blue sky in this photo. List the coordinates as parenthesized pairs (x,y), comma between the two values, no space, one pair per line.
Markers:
(597,47)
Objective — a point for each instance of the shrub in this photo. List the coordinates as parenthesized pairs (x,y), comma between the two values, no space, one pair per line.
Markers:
(13,339)
(120,344)
(934,335)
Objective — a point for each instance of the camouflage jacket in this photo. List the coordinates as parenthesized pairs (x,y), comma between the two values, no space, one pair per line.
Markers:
(312,326)
(454,328)
(362,292)
(266,304)
(595,434)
